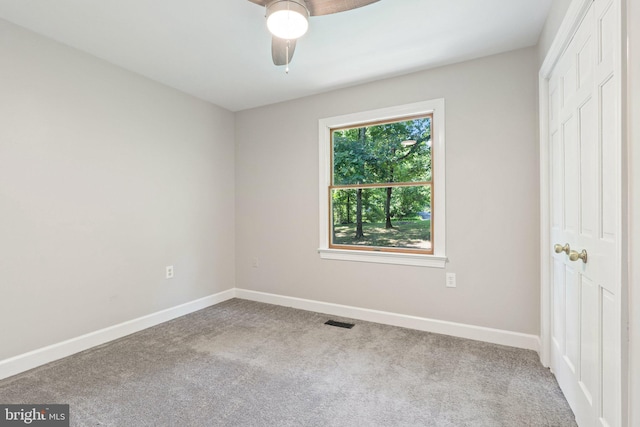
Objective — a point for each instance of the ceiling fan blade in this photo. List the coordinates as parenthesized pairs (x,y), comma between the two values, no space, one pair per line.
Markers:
(327,7)
(279,50)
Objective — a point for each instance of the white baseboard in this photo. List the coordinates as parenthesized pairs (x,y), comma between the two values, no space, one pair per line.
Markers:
(41,356)
(35,358)
(478,333)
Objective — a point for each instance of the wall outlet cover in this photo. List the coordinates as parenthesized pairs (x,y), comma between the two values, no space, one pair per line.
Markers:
(451,280)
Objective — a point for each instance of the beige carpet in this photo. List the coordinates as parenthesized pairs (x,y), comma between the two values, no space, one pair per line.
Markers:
(243,363)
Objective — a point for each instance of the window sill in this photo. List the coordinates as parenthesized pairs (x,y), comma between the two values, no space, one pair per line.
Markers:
(432,261)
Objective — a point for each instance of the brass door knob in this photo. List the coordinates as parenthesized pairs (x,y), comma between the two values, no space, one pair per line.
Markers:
(559,248)
(574,256)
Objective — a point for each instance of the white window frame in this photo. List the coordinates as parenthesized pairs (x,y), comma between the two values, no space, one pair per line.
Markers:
(435,107)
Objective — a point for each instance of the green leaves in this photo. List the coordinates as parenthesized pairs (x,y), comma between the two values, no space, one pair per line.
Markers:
(376,154)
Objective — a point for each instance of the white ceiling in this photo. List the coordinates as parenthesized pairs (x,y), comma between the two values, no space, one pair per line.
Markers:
(219,50)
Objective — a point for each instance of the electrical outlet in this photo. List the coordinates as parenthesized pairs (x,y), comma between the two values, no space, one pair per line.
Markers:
(169,271)
(254,262)
(451,280)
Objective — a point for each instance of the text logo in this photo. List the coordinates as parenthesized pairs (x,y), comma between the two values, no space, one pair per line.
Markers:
(37,415)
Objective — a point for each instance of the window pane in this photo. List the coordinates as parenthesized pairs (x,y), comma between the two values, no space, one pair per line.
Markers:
(391,217)
(391,152)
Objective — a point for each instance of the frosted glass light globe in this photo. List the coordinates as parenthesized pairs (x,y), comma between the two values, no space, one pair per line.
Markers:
(287,19)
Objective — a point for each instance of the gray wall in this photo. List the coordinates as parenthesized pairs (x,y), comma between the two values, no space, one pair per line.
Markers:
(492,198)
(105,178)
(556,14)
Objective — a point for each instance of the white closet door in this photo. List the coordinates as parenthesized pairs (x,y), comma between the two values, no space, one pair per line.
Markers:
(585,200)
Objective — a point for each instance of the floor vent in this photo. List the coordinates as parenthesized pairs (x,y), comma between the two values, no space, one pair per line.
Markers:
(339,324)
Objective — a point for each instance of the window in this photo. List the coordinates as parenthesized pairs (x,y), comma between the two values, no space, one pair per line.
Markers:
(382,185)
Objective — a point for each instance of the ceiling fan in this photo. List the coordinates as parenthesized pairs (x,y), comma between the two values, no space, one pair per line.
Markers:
(288,20)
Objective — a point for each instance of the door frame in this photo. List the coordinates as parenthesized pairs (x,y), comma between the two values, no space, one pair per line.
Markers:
(574,16)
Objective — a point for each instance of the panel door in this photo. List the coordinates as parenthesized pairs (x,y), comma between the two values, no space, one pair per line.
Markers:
(585,200)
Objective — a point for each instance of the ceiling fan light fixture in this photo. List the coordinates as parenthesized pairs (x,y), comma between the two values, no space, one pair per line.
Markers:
(287,19)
